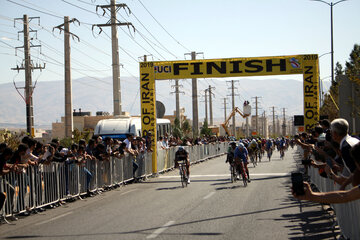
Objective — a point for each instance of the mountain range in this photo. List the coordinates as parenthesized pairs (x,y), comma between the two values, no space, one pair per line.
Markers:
(93,94)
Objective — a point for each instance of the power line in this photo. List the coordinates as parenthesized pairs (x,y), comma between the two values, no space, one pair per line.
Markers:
(141,36)
(35,9)
(91,4)
(153,36)
(163,27)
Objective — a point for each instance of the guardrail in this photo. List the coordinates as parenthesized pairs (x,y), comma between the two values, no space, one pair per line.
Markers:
(347,214)
(44,185)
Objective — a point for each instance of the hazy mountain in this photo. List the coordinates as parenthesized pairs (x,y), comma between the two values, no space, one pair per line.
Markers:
(96,95)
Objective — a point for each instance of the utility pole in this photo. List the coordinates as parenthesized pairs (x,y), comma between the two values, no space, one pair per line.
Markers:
(233,105)
(284,124)
(257,115)
(206,109)
(195,109)
(29,88)
(113,22)
(177,98)
(273,114)
(263,125)
(68,82)
(225,108)
(210,104)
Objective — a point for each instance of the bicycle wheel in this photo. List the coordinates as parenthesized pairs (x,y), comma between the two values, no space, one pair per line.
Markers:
(182,177)
(185,177)
(244,178)
(232,173)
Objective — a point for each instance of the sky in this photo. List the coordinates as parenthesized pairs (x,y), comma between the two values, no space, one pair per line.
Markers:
(166,30)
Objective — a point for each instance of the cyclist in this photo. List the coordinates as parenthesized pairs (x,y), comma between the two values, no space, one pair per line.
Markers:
(182,155)
(241,160)
(230,154)
(268,148)
(282,147)
(252,149)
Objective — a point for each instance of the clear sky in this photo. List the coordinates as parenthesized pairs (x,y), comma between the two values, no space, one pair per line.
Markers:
(219,29)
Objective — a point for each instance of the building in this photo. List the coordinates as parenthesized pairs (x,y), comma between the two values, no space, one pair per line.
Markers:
(263,126)
(349,102)
(182,119)
(81,121)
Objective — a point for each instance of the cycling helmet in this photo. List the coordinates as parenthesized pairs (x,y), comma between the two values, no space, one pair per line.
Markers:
(181,149)
(233,143)
(241,145)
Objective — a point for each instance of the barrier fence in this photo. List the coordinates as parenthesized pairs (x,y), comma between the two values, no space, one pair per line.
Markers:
(347,214)
(41,185)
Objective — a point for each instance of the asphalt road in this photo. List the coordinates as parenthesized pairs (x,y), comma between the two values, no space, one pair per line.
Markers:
(211,207)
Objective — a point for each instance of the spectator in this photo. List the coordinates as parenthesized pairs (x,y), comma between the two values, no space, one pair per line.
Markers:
(160,143)
(149,140)
(90,148)
(340,196)
(339,132)
(128,142)
(2,147)
(82,157)
(5,156)
(100,152)
(165,143)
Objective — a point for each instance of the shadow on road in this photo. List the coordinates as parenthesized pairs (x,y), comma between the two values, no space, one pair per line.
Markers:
(150,230)
(312,222)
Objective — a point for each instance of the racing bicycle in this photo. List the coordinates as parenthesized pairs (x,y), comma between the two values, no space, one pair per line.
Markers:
(183,173)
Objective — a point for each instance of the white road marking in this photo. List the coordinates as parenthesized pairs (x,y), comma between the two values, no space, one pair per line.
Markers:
(226,175)
(53,219)
(209,195)
(158,231)
(128,192)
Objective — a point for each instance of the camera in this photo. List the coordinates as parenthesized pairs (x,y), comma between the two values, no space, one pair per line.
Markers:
(297,183)
(306,162)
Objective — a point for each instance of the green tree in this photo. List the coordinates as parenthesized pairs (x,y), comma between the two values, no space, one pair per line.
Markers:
(186,128)
(352,69)
(176,128)
(329,108)
(205,130)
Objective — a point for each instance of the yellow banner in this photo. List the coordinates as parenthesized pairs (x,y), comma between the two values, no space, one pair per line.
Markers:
(311,91)
(148,109)
(227,67)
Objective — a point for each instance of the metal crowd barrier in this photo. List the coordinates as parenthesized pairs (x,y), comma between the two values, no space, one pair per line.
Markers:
(47,184)
(347,214)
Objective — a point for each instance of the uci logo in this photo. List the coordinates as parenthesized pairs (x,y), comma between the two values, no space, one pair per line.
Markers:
(162,69)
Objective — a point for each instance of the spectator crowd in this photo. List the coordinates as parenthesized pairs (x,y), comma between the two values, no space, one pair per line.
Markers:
(330,149)
(34,153)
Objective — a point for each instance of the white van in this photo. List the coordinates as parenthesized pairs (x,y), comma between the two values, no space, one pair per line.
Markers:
(118,128)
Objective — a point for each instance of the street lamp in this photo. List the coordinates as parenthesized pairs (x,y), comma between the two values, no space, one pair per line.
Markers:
(320,82)
(332,42)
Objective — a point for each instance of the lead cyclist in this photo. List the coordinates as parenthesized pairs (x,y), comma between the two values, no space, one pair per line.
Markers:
(182,155)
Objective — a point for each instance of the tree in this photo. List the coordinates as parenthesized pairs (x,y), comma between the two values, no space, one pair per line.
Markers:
(328,108)
(186,128)
(176,129)
(205,130)
(352,71)
(353,65)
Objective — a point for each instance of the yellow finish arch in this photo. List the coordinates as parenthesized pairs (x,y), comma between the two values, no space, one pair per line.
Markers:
(307,64)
